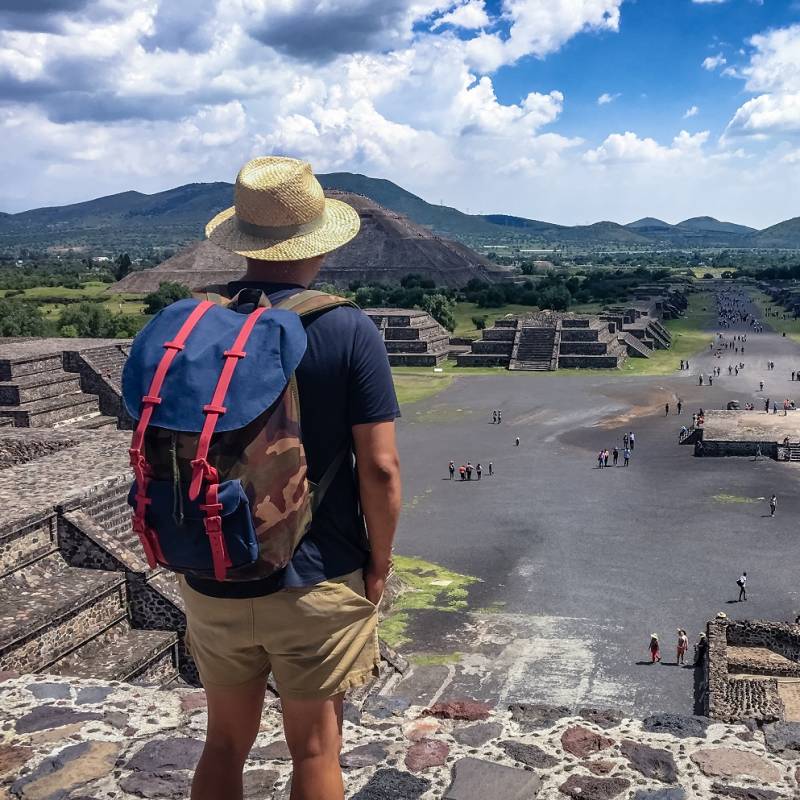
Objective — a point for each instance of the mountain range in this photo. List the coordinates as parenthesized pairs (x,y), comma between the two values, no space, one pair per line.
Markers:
(176,216)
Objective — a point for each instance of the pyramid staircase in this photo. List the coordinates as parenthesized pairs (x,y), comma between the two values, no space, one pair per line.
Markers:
(64,620)
(412,338)
(534,350)
(37,392)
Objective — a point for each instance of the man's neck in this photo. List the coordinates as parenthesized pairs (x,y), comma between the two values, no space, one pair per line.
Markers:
(259,276)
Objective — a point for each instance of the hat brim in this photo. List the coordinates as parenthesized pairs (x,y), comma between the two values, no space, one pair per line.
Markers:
(340,224)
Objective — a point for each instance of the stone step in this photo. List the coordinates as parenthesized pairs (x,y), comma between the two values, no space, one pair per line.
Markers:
(23,543)
(6,422)
(51,411)
(38,387)
(47,608)
(94,422)
(121,653)
(11,369)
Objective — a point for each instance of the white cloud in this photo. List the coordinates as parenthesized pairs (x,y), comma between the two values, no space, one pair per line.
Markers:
(470,15)
(713,62)
(541,27)
(774,74)
(628,147)
(692,111)
(607,98)
(709,2)
(101,96)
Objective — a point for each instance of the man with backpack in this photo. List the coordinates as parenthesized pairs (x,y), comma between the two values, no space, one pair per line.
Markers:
(311,622)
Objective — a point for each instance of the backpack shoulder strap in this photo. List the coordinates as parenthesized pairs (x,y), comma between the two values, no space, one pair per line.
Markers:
(310,302)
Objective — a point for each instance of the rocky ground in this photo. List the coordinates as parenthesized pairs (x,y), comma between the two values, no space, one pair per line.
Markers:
(85,740)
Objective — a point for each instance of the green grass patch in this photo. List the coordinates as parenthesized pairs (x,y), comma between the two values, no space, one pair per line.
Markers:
(733,499)
(791,327)
(691,334)
(413,385)
(464,312)
(435,659)
(428,587)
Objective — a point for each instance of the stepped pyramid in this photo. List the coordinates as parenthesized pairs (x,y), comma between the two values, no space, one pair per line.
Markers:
(387,248)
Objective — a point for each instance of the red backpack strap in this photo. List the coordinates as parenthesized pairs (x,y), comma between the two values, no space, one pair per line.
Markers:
(202,471)
(147,536)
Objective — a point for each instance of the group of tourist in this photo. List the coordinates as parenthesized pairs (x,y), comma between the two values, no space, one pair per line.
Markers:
(605,455)
(466,471)
(682,647)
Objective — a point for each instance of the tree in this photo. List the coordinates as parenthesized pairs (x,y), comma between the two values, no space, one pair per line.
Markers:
(441,308)
(479,322)
(20,319)
(167,293)
(90,320)
(122,266)
(556,298)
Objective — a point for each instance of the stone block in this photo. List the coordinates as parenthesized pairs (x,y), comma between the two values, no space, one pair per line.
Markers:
(474,779)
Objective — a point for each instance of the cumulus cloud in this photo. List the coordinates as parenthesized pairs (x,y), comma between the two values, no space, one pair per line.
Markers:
(692,111)
(607,98)
(774,74)
(628,147)
(713,62)
(540,27)
(470,15)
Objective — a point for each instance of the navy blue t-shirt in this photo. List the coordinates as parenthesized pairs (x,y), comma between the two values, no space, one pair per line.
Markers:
(343,380)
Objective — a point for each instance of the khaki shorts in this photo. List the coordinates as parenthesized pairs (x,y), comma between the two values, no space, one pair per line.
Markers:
(317,641)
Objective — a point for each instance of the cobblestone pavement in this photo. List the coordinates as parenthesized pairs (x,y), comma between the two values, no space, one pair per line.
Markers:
(87,739)
(578,566)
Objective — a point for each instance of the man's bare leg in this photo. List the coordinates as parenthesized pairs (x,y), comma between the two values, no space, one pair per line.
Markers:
(234,718)
(313,731)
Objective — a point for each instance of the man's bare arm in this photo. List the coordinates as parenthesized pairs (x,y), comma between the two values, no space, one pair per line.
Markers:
(381,497)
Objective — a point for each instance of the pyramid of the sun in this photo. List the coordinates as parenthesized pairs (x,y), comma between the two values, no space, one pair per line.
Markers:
(387,248)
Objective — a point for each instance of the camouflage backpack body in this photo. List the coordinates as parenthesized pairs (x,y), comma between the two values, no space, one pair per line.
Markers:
(221,485)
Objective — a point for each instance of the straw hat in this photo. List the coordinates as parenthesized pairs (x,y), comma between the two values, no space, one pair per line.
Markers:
(281,214)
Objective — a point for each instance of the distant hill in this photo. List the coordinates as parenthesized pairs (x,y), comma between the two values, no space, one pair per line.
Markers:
(784,234)
(173,218)
(710,225)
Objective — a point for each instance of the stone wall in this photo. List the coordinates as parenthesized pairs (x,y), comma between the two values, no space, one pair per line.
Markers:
(779,637)
(94,739)
(732,697)
(718,449)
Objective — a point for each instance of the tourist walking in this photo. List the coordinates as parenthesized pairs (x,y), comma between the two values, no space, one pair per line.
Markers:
(680,406)
(600,459)
(683,646)
(773,505)
(491,469)
(632,440)
(494,417)
(655,649)
(469,470)
(615,456)
(742,584)
(626,457)
(666,409)
(478,470)
(499,416)
(452,469)
(605,457)
(516,442)
(761,385)
(625,440)
(462,471)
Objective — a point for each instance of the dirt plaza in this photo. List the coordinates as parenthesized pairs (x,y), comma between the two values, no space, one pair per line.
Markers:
(577,566)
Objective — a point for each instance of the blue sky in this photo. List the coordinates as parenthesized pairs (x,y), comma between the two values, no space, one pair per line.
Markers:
(566,110)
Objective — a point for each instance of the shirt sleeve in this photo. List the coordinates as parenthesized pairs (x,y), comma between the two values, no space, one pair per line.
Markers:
(372,396)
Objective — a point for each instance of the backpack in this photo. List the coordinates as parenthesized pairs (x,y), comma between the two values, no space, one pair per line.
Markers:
(221,488)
